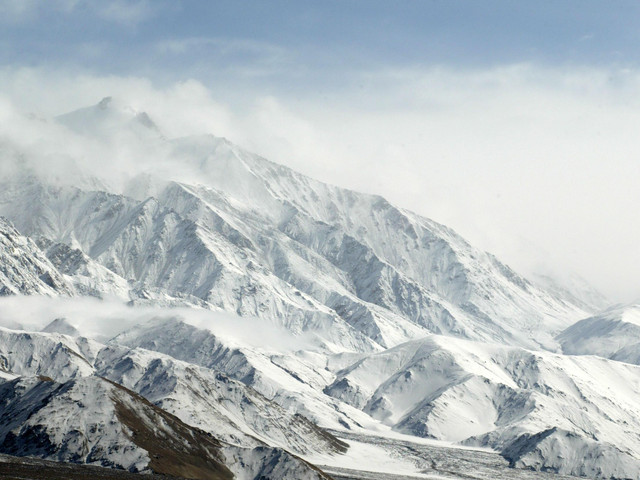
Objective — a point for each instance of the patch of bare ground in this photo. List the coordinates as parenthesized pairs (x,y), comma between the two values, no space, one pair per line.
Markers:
(26,468)
(174,447)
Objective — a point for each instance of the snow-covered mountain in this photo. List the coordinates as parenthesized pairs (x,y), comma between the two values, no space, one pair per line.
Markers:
(74,421)
(614,333)
(110,118)
(23,267)
(541,410)
(202,398)
(92,420)
(264,307)
(258,239)
(294,379)
(87,276)
(574,288)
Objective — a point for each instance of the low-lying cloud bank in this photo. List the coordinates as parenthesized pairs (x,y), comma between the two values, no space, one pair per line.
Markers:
(104,319)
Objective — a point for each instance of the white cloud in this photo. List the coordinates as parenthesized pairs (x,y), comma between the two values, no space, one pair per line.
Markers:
(181,108)
(106,318)
(124,12)
(242,57)
(15,12)
(223,45)
(510,157)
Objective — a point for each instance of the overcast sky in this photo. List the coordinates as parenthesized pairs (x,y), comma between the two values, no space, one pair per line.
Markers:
(516,123)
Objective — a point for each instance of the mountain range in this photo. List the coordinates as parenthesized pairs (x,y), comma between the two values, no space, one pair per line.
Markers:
(207,313)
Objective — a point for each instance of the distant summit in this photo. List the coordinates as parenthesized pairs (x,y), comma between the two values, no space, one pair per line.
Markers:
(104,103)
(60,325)
(110,117)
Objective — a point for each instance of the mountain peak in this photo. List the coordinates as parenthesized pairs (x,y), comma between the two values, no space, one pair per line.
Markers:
(61,325)
(104,103)
(111,116)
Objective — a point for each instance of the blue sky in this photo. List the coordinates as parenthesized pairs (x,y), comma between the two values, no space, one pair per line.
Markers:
(513,122)
(316,41)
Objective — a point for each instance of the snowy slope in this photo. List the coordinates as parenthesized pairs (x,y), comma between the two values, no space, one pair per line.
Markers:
(528,405)
(292,379)
(199,396)
(613,334)
(574,288)
(540,410)
(373,263)
(87,276)
(170,260)
(573,415)
(90,420)
(213,402)
(48,354)
(94,421)
(24,269)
